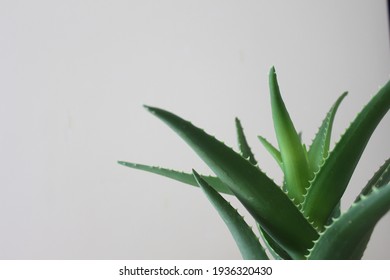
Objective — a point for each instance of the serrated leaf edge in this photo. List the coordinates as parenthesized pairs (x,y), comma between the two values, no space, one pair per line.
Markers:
(326,227)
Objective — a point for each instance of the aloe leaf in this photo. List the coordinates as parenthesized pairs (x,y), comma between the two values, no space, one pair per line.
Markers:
(265,201)
(380,178)
(335,213)
(246,240)
(272,150)
(275,250)
(243,144)
(295,165)
(347,236)
(305,153)
(331,181)
(319,148)
(183,177)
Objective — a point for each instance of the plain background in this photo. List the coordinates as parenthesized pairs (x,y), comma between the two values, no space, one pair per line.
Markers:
(75,74)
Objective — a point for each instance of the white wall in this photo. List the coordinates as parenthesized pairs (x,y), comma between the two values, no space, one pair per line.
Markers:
(74,76)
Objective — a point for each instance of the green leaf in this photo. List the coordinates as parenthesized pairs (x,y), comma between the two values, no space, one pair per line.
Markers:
(295,165)
(335,213)
(272,150)
(276,251)
(319,149)
(331,181)
(246,240)
(246,151)
(300,136)
(265,201)
(380,178)
(347,237)
(183,177)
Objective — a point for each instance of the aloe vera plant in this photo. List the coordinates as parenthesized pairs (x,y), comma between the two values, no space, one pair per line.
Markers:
(300,219)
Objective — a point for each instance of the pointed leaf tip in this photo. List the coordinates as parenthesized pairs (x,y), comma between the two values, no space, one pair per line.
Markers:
(319,149)
(150,109)
(295,164)
(180,176)
(333,178)
(286,224)
(272,150)
(243,145)
(129,164)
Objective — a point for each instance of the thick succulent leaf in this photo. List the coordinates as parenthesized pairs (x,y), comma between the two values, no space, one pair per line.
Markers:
(183,177)
(347,236)
(272,150)
(319,149)
(266,202)
(331,181)
(276,155)
(275,250)
(245,150)
(246,240)
(380,178)
(335,213)
(295,165)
